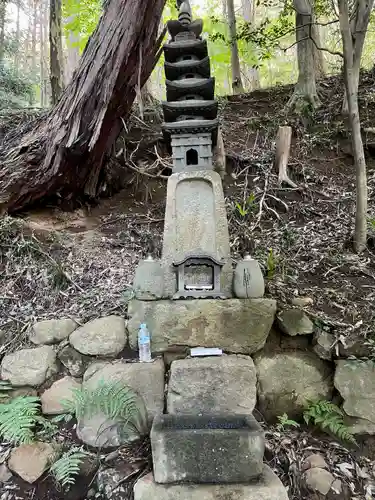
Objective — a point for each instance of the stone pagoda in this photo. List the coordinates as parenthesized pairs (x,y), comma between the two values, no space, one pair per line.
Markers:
(203,447)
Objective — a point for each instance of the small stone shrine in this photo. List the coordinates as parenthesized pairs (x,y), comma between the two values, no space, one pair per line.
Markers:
(193,296)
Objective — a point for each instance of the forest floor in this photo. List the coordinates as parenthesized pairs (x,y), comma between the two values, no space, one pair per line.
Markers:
(80,264)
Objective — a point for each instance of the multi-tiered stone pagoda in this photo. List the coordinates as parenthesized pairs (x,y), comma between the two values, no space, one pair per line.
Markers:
(190,113)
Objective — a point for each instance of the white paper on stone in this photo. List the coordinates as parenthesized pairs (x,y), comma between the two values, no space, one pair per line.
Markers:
(205,351)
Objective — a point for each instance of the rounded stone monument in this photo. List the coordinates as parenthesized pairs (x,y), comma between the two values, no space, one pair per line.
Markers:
(248,281)
(149,280)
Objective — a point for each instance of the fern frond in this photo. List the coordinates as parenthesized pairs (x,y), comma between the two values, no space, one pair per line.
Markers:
(66,469)
(328,416)
(113,399)
(18,419)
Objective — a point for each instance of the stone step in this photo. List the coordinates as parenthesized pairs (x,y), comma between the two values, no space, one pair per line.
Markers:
(207,449)
(267,487)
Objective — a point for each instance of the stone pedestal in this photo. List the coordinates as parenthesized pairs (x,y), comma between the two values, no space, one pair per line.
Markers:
(207,449)
(235,325)
(267,487)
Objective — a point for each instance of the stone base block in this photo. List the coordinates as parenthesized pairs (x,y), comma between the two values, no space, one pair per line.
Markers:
(221,385)
(267,487)
(206,449)
(234,325)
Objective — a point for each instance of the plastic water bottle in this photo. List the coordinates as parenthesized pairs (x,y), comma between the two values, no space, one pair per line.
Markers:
(144,344)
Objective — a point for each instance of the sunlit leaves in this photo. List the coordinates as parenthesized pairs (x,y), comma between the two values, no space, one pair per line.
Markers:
(81,18)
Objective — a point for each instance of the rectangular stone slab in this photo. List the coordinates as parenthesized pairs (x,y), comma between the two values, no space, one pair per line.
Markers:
(234,325)
(206,449)
(267,487)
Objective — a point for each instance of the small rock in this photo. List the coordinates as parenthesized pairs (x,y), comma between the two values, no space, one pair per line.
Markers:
(315,460)
(53,397)
(302,301)
(30,461)
(108,484)
(318,480)
(73,361)
(52,331)
(100,337)
(91,493)
(323,344)
(295,322)
(5,474)
(29,366)
(337,486)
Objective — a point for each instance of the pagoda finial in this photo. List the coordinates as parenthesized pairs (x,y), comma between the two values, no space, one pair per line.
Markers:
(184,15)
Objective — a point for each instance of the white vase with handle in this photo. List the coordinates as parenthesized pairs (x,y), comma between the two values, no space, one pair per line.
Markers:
(248,281)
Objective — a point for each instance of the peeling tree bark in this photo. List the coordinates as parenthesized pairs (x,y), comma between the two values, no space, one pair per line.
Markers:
(64,154)
(56,52)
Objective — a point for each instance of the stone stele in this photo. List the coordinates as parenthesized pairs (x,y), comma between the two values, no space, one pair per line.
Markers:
(195,220)
(235,325)
(214,449)
(267,487)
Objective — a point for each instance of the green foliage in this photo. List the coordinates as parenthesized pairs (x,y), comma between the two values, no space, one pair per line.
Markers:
(83,17)
(271,264)
(284,421)
(15,92)
(113,399)
(371,223)
(328,416)
(247,206)
(66,469)
(19,419)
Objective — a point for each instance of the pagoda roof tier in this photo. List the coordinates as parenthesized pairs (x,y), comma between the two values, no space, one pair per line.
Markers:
(197,87)
(194,107)
(173,50)
(191,127)
(200,67)
(175,27)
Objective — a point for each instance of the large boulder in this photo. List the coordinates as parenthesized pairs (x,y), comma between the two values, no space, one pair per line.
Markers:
(287,380)
(100,337)
(54,397)
(267,487)
(145,379)
(212,385)
(235,325)
(30,461)
(30,367)
(355,380)
(52,331)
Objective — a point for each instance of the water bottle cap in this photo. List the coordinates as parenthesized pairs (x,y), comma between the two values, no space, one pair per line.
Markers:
(143,325)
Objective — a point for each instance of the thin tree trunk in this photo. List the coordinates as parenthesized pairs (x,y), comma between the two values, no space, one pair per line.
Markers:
(42,34)
(305,93)
(64,154)
(237,86)
(2,29)
(319,65)
(33,38)
(56,53)
(351,85)
(72,59)
(358,29)
(252,74)
(18,36)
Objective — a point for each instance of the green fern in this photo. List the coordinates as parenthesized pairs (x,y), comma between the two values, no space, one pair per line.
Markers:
(19,419)
(113,399)
(328,416)
(66,469)
(284,421)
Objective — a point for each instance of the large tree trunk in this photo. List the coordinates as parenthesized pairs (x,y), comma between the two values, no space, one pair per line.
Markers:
(305,94)
(351,85)
(64,154)
(56,53)
(235,60)
(248,12)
